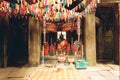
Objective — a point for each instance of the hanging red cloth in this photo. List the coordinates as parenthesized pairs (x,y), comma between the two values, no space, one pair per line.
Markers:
(75,26)
(22,10)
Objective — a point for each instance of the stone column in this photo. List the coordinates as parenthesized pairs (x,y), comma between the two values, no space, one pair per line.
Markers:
(116,32)
(119,35)
(90,39)
(118,29)
(34,42)
(44,28)
(4,39)
(78,24)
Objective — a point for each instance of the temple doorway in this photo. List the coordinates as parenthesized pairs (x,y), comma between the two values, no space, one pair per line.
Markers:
(61,38)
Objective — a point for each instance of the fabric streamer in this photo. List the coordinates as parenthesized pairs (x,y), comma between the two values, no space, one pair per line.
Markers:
(18,1)
(79,6)
(64,3)
(22,10)
(51,2)
(4,3)
(60,4)
(7,5)
(46,2)
(12,5)
(70,2)
(34,1)
(47,7)
(71,17)
(82,5)
(59,16)
(54,9)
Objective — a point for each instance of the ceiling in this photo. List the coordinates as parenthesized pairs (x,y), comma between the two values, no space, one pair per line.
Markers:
(73,5)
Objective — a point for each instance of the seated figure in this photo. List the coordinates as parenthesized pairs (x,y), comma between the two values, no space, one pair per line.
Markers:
(61,43)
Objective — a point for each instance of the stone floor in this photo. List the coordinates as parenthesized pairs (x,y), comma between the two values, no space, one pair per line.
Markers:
(47,72)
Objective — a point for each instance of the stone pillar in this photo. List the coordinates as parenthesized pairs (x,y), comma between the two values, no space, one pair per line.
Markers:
(90,39)
(34,42)
(44,28)
(4,39)
(116,32)
(118,29)
(119,35)
(78,24)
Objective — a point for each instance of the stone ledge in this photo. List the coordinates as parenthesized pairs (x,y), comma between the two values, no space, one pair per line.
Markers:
(55,57)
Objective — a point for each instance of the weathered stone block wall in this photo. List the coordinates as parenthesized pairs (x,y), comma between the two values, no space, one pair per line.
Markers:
(34,42)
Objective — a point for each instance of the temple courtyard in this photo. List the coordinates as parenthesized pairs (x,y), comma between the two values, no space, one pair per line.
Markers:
(107,71)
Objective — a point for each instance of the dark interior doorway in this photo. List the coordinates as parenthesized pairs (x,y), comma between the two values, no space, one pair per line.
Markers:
(105,32)
(19,41)
(15,34)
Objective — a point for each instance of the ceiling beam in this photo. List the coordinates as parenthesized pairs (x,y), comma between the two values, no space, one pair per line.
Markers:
(114,6)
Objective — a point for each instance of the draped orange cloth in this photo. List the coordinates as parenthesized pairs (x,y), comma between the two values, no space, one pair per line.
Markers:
(62,45)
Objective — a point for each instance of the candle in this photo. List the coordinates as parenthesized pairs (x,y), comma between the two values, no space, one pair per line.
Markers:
(43,54)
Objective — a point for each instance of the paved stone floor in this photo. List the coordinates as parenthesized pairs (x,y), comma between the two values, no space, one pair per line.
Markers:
(45,72)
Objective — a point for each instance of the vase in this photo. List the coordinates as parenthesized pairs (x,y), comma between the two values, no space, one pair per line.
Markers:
(61,58)
(71,60)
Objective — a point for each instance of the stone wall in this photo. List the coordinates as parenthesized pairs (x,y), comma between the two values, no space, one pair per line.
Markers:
(34,41)
(109,0)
